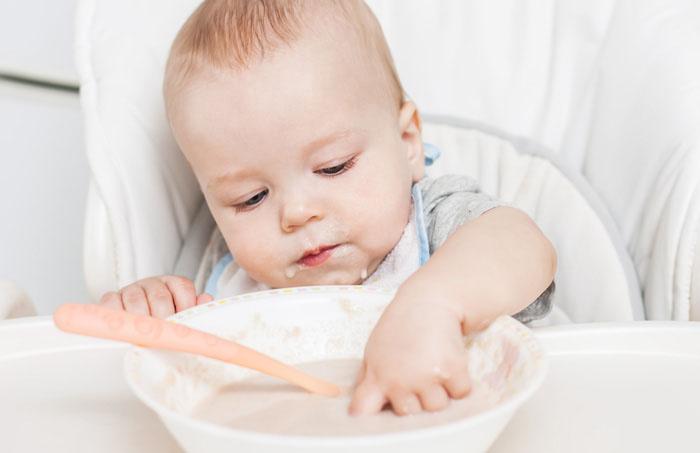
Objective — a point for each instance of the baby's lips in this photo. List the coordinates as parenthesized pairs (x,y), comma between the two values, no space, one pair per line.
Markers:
(316,257)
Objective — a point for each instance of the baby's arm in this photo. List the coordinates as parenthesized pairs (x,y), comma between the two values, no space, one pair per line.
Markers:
(415,358)
(156,296)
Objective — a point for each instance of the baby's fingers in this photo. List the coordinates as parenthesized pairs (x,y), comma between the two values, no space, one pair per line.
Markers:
(182,290)
(134,300)
(159,297)
(367,398)
(112,300)
(404,402)
(433,397)
(459,384)
(204,298)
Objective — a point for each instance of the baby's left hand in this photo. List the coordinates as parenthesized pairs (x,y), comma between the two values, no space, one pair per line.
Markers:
(415,357)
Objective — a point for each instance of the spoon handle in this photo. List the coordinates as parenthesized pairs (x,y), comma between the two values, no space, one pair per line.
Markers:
(101,322)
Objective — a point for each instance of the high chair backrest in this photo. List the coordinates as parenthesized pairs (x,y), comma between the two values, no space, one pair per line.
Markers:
(610,87)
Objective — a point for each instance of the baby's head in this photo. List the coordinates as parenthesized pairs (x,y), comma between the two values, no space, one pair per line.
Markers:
(293,120)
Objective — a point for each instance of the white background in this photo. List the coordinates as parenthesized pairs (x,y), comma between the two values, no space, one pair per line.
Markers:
(43,169)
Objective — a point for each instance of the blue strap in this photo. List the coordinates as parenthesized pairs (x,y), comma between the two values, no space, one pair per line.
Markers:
(212,286)
(431,153)
(423,247)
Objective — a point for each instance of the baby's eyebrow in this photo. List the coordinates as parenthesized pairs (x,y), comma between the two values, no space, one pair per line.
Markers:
(325,140)
(307,149)
(230,175)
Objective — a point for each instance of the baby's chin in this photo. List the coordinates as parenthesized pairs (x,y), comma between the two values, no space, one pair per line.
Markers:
(313,277)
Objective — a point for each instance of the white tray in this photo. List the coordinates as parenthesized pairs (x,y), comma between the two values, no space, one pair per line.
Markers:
(610,388)
(632,387)
(67,393)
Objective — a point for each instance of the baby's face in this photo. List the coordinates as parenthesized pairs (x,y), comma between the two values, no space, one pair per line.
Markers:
(305,166)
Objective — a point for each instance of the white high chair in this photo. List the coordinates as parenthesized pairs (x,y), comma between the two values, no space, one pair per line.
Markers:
(600,101)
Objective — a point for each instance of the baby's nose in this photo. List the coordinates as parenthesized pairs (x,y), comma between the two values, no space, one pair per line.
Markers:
(298,212)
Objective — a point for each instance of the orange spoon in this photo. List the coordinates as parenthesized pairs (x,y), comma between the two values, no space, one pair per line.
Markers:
(140,330)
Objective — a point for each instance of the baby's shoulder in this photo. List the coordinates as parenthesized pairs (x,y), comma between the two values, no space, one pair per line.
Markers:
(434,190)
(449,201)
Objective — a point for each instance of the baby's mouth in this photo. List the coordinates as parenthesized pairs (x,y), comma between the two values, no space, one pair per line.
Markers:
(317,256)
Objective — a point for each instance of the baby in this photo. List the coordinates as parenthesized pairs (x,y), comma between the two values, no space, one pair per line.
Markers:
(310,158)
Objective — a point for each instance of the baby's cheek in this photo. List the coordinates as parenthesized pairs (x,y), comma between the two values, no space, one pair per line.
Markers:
(386,218)
(259,261)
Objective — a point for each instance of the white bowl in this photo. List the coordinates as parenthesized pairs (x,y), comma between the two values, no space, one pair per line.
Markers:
(315,323)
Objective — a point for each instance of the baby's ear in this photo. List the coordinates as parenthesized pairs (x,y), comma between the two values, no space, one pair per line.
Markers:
(411,138)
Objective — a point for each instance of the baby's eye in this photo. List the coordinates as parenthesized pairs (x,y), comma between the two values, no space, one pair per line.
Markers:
(338,169)
(252,201)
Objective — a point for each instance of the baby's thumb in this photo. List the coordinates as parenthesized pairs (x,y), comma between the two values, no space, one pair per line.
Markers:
(367,398)
(204,298)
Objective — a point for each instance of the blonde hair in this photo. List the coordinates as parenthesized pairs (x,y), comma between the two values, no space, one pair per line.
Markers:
(230,34)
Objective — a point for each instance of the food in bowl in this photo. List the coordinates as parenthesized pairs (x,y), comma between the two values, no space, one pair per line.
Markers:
(212,406)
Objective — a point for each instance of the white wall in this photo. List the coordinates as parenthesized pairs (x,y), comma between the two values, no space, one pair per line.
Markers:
(43,169)
(36,39)
(43,186)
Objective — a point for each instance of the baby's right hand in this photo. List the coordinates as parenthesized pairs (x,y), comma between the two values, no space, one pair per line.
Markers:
(156,296)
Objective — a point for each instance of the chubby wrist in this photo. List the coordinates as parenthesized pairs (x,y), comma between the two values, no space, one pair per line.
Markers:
(423,290)
(418,292)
